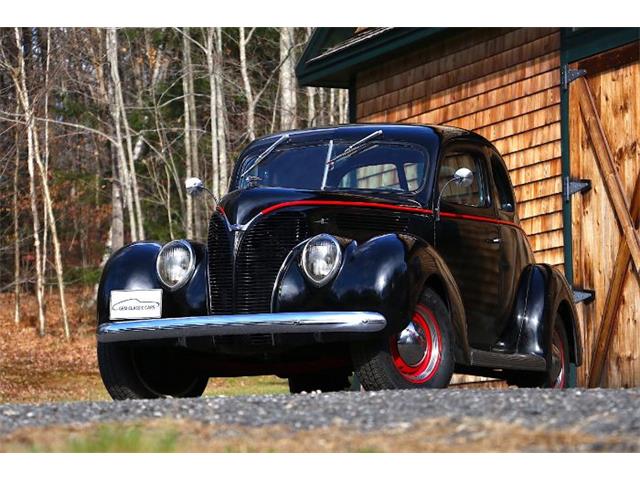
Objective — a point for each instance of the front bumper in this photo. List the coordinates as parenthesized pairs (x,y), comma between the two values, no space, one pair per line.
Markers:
(260,323)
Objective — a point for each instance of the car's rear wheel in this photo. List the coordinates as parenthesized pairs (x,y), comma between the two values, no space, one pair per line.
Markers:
(134,372)
(331,381)
(420,356)
(557,376)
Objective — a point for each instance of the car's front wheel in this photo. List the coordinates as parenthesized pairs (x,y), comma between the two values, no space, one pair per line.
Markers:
(134,372)
(420,356)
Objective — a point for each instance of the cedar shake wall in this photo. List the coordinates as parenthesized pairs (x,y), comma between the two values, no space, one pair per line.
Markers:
(501,83)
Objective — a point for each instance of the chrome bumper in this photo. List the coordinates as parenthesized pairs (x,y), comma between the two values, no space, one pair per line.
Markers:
(289,322)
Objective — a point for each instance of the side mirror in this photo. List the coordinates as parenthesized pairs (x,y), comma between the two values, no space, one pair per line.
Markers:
(463,177)
(194,186)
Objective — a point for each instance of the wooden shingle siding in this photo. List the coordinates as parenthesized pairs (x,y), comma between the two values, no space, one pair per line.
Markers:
(501,83)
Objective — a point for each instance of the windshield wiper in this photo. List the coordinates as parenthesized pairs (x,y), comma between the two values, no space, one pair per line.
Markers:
(327,162)
(354,148)
(263,155)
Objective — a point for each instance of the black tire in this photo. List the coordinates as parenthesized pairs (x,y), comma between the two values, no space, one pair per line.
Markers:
(380,366)
(324,381)
(557,376)
(130,372)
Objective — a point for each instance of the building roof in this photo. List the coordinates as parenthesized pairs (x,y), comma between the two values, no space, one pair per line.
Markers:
(332,55)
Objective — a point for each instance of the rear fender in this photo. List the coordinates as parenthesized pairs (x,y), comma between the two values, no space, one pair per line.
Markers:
(542,293)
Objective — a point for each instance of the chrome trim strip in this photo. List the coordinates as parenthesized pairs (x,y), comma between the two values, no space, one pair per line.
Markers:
(286,322)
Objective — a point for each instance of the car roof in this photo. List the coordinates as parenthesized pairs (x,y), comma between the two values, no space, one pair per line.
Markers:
(358,130)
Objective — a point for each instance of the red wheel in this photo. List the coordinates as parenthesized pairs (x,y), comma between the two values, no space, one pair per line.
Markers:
(417,350)
(559,357)
(557,375)
(419,356)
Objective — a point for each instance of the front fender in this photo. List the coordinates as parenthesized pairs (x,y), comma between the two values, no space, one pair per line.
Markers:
(386,274)
(133,267)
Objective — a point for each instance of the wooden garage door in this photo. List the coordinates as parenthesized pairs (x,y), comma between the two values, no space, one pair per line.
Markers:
(604,125)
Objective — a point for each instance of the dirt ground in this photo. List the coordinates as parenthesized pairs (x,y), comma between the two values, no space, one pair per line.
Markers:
(433,435)
(39,369)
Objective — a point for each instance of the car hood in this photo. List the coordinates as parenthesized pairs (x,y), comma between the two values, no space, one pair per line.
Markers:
(240,206)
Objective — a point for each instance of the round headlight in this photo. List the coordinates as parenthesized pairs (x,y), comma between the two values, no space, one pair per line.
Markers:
(175,264)
(321,258)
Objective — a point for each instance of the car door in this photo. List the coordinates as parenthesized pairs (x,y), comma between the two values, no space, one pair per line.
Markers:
(468,238)
(511,260)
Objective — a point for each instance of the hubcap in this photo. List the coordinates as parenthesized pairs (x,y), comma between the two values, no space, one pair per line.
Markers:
(416,351)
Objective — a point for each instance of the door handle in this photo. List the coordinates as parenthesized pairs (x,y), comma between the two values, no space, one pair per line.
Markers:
(495,240)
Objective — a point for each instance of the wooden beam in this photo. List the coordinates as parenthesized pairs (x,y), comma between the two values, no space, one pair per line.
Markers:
(604,160)
(614,297)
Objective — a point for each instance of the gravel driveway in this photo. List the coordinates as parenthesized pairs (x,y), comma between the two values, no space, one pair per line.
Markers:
(598,413)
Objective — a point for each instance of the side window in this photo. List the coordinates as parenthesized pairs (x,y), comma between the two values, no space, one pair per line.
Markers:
(474,195)
(503,185)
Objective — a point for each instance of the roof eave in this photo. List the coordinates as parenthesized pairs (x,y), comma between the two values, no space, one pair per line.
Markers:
(336,70)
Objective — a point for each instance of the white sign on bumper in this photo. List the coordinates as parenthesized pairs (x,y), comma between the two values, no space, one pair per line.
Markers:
(135,304)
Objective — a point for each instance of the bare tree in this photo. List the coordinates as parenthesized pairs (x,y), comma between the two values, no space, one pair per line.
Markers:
(18,76)
(288,103)
(248,90)
(16,231)
(114,92)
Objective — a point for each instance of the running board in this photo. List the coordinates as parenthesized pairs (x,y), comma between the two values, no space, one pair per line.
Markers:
(512,361)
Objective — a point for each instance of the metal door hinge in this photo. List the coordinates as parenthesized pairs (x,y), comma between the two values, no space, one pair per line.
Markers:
(570,74)
(581,295)
(572,186)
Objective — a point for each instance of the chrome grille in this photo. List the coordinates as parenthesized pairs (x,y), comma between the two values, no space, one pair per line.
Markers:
(220,250)
(262,251)
(245,284)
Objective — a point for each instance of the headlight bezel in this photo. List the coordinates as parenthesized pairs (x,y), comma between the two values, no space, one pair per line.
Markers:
(190,268)
(335,267)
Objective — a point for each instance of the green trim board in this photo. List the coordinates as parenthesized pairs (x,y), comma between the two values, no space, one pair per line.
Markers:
(336,70)
(567,234)
(577,44)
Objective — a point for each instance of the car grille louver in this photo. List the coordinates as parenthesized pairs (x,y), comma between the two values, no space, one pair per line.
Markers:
(244,283)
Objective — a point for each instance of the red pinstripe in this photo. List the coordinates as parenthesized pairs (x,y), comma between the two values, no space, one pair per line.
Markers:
(385,206)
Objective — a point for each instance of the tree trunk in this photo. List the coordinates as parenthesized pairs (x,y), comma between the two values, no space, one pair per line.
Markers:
(311,106)
(188,144)
(16,232)
(311,96)
(221,120)
(322,117)
(50,216)
(288,103)
(343,106)
(20,86)
(248,92)
(123,170)
(115,239)
(332,106)
(213,113)
(119,98)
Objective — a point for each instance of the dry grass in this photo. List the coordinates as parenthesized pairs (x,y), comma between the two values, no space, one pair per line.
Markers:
(434,435)
(50,368)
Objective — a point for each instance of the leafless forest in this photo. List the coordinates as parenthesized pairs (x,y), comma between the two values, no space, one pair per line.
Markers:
(100,127)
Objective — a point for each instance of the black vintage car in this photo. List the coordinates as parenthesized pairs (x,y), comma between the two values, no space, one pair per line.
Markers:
(390,251)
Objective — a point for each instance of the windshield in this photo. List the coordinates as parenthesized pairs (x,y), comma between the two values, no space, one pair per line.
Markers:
(380,165)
